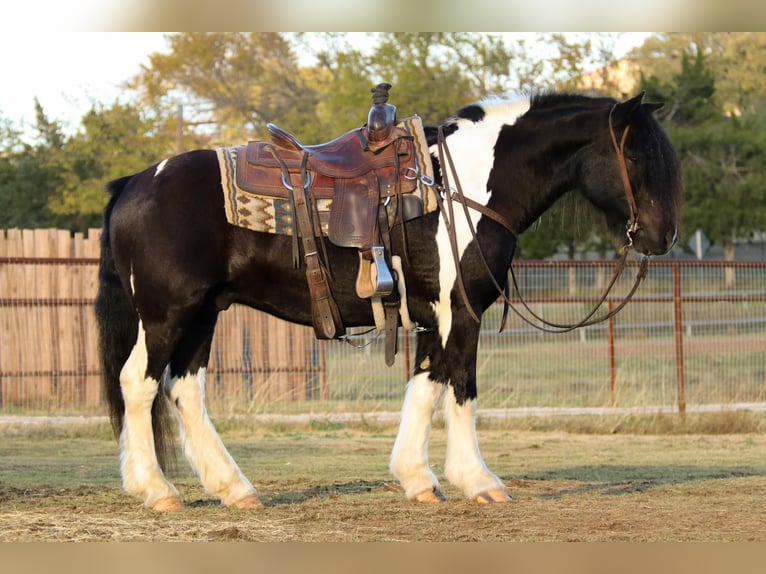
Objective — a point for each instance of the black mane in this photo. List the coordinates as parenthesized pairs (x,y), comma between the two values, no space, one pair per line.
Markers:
(554,101)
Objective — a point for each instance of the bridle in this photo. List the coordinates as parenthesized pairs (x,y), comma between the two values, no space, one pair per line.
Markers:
(447,196)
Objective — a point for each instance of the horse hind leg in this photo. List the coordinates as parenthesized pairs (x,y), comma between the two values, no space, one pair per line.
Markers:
(202,446)
(141,473)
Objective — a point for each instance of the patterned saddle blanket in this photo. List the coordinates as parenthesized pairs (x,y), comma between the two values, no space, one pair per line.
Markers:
(261,202)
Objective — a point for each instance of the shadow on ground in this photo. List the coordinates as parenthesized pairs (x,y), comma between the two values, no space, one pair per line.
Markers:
(626,479)
(318,491)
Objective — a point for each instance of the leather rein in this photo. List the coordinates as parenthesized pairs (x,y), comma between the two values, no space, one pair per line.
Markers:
(447,196)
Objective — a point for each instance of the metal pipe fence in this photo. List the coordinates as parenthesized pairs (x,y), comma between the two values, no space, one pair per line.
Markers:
(695,333)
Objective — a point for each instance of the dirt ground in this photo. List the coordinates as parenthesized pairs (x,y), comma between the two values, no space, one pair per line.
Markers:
(331,484)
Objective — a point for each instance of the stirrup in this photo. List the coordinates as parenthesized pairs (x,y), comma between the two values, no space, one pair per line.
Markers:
(374,278)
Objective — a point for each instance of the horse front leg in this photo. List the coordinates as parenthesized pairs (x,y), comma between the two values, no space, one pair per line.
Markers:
(465,467)
(409,458)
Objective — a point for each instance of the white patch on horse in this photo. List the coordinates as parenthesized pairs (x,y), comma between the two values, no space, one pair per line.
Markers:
(132,281)
(160,167)
(472,148)
(409,458)
(141,473)
(202,445)
(464,466)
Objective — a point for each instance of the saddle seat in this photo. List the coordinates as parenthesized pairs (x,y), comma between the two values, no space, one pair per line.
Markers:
(349,155)
(347,158)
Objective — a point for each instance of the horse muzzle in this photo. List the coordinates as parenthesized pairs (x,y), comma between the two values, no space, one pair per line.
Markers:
(657,243)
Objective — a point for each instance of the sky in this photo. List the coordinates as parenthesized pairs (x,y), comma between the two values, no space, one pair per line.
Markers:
(70,71)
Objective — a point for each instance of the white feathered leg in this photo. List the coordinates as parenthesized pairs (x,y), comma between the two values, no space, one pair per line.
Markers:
(465,467)
(203,447)
(409,458)
(141,473)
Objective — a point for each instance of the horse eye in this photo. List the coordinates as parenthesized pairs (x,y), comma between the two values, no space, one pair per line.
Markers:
(631,158)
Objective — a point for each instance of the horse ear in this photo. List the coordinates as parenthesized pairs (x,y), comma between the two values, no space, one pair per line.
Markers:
(653,106)
(632,104)
(625,110)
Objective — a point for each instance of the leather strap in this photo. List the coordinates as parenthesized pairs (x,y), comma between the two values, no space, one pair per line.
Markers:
(391,309)
(619,150)
(467,203)
(325,315)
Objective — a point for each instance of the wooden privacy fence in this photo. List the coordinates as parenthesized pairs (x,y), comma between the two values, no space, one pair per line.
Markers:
(48,338)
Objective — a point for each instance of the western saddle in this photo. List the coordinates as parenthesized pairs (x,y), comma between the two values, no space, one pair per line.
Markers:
(369,174)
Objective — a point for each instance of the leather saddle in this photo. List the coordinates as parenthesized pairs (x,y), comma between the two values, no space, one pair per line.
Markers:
(368,173)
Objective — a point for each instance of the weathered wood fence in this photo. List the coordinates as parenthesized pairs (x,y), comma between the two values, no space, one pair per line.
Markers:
(48,343)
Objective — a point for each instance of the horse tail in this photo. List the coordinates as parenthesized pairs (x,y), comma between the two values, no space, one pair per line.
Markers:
(117,322)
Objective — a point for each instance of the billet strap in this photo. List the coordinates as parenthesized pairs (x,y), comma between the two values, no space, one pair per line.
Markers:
(291,196)
(325,315)
(391,309)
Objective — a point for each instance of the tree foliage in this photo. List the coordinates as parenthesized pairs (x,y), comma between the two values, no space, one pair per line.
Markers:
(27,180)
(112,142)
(722,154)
(222,88)
(60,181)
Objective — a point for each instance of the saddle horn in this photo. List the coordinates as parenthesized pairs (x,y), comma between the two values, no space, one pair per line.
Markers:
(382,116)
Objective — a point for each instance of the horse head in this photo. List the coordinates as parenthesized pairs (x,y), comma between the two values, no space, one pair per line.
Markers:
(636,181)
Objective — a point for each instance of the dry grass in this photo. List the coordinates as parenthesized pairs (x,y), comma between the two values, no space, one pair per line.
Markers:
(329,482)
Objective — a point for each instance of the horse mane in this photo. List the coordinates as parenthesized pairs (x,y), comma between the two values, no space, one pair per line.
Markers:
(550,101)
(538,104)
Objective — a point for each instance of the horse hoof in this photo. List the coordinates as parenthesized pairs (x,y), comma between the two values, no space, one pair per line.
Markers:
(251,501)
(168,504)
(493,496)
(434,495)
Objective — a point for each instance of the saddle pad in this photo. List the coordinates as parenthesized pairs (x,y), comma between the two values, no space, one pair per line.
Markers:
(257,212)
(273,215)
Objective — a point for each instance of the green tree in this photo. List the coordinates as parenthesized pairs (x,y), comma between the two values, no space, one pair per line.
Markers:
(27,177)
(229,84)
(59,180)
(112,142)
(737,61)
(721,156)
(743,78)
(690,97)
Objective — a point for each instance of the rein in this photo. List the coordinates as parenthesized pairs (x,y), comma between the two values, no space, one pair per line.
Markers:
(447,198)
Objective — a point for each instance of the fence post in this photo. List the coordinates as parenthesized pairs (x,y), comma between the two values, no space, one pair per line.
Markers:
(679,337)
(612,365)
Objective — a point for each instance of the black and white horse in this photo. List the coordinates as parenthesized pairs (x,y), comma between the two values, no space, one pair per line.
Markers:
(170,263)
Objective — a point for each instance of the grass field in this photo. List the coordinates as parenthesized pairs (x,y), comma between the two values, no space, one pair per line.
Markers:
(575,479)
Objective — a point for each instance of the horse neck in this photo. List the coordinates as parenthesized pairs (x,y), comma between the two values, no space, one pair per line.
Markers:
(535,164)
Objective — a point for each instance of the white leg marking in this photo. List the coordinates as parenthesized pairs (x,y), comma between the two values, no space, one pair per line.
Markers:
(409,458)
(202,446)
(465,467)
(141,473)
(160,167)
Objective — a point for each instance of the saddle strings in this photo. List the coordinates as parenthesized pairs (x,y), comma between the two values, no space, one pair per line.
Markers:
(547,326)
